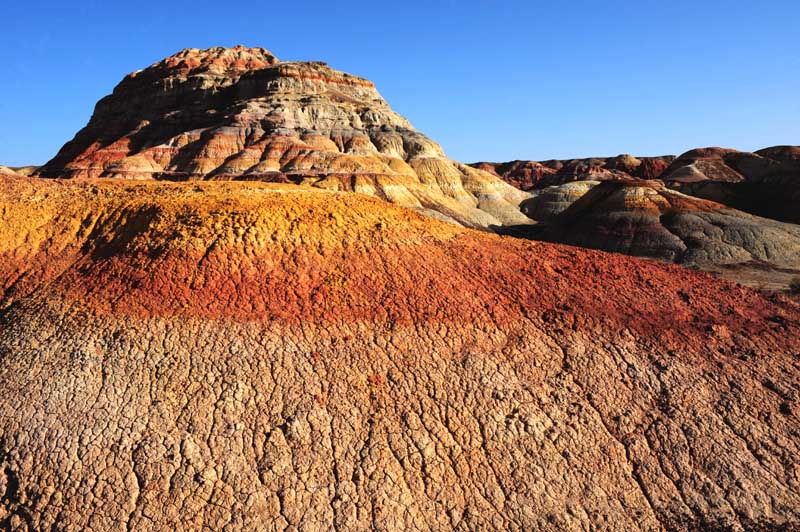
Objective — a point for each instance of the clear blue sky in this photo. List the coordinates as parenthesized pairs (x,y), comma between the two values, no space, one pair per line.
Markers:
(488,80)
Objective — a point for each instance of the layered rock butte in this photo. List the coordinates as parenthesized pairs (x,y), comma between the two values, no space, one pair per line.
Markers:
(267,356)
(240,113)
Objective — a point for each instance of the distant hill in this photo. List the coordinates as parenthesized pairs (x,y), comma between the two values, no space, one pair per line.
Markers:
(765,183)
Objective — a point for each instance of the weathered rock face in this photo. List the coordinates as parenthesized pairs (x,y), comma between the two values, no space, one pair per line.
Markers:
(239,113)
(644,218)
(246,356)
(766,183)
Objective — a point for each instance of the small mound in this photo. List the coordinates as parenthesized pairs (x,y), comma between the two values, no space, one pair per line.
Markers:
(552,201)
(646,219)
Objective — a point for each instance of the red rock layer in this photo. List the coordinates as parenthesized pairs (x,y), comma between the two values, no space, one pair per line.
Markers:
(144,248)
(525,175)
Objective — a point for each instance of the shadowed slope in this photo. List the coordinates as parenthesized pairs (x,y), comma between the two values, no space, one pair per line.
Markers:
(252,356)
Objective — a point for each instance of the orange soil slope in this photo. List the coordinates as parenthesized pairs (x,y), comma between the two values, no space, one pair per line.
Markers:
(265,251)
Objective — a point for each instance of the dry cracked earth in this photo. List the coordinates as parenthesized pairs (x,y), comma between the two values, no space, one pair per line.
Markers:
(250,356)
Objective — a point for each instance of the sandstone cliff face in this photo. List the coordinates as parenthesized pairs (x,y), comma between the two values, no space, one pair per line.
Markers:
(240,113)
(246,356)
(645,218)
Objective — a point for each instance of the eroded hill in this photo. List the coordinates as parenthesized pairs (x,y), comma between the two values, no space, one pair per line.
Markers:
(241,114)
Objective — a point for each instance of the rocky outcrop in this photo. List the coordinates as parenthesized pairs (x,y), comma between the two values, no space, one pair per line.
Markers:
(240,113)
(525,175)
(250,356)
(645,218)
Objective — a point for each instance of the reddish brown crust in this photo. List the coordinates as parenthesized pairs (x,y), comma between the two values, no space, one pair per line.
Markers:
(252,252)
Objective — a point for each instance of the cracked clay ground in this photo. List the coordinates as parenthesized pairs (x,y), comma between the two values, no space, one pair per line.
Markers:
(258,357)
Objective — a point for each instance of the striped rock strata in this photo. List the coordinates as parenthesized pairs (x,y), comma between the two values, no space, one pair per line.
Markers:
(765,183)
(240,113)
(529,175)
